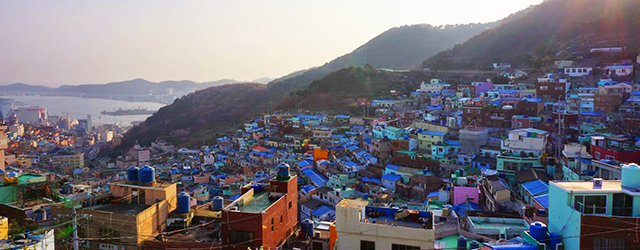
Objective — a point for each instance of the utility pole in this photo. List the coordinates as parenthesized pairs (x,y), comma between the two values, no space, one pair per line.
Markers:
(75,228)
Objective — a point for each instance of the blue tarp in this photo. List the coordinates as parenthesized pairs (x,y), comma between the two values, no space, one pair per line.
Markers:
(543,200)
(315,177)
(461,208)
(391,166)
(367,179)
(391,177)
(322,210)
(536,187)
(433,133)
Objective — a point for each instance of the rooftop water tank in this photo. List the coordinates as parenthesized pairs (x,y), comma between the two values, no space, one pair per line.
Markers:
(631,176)
(132,175)
(217,203)
(307,227)
(184,203)
(474,245)
(462,242)
(283,172)
(538,231)
(554,239)
(146,176)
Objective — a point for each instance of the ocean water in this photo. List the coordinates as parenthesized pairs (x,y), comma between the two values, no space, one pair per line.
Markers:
(79,108)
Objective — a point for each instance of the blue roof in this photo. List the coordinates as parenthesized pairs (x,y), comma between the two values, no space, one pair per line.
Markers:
(536,187)
(453,143)
(518,246)
(341,116)
(367,141)
(587,161)
(433,133)
(637,92)
(590,113)
(322,210)
(304,163)
(351,164)
(308,188)
(391,177)
(507,91)
(543,200)
(337,136)
(315,177)
(461,208)
(433,194)
(352,148)
(391,166)
(366,179)
(357,127)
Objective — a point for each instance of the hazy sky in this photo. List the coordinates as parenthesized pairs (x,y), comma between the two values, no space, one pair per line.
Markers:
(78,42)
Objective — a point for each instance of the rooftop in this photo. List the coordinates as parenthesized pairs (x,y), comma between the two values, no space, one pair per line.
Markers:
(607,185)
(259,203)
(122,208)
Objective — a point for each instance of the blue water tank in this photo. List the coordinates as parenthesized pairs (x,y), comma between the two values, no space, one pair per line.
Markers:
(146,175)
(12,174)
(217,203)
(132,174)
(554,240)
(307,227)
(283,172)
(257,187)
(462,242)
(184,203)
(474,245)
(538,231)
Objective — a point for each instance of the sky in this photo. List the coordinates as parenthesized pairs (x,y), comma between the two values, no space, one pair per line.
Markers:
(61,42)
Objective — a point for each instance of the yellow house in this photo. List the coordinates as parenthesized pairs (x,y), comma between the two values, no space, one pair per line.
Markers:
(4,228)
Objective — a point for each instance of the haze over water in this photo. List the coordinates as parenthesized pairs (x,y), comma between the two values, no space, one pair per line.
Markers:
(78,108)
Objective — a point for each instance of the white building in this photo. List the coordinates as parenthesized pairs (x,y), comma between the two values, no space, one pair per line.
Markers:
(620,70)
(43,241)
(34,115)
(578,71)
(358,229)
(529,140)
(433,86)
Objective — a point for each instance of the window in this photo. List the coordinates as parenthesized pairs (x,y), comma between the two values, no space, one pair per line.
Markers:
(597,155)
(544,87)
(403,247)
(468,111)
(367,245)
(477,111)
(271,220)
(271,228)
(280,218)
(240,236)
(559,88)
(610,157)
(590,204)
(622,204)
(289,205)
(608,244)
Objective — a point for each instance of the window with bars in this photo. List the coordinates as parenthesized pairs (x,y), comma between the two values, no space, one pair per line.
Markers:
(367,245)
(608,244)
(403,247)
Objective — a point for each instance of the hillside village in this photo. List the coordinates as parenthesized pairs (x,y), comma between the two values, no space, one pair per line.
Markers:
(528,163)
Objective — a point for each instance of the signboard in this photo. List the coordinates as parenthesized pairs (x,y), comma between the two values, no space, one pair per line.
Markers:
(106,246)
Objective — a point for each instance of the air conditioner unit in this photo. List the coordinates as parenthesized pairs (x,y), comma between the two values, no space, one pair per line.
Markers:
(597,183)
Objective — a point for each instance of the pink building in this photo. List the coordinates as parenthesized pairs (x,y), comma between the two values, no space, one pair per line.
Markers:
(461,194)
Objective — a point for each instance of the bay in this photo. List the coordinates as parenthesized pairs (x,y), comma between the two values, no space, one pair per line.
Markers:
(79,108)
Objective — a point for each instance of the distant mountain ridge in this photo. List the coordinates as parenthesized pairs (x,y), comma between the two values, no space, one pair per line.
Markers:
(205,114)
(136,86)
(555,29)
